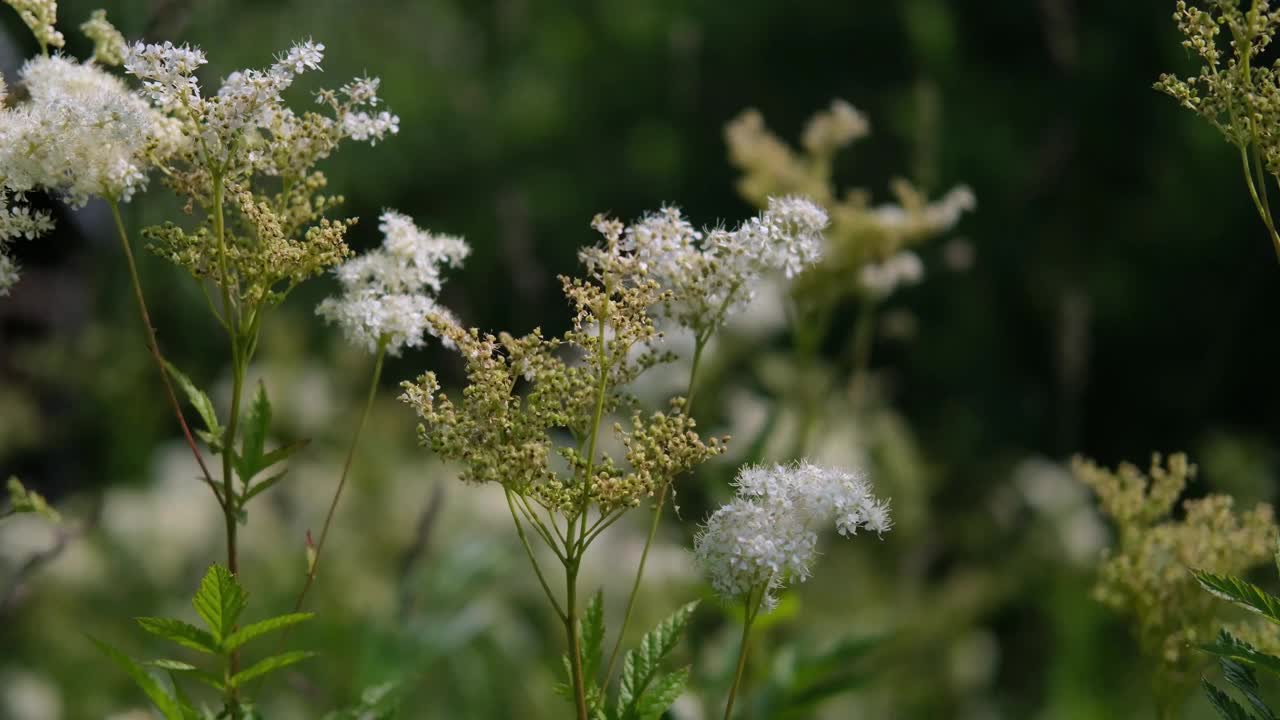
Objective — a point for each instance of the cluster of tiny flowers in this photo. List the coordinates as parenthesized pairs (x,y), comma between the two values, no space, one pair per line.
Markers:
(881,279)
(251,100)
(40,16)
(109,45)
(768,535)
(710,275)
(918,219)
(389,293)
(17,221)
(81,134)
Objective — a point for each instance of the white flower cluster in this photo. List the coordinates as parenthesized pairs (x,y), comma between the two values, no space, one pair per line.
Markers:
(17,221)
(768,535)
(388,293)
(710,275)
(81,134)
(927,219)
(250,100)
(881,279)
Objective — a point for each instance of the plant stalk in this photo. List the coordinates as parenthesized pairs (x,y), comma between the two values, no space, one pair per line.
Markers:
(314,565)
(154,346)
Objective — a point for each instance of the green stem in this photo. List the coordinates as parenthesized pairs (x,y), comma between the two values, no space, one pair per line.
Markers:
(752,607)
(154,346)
(575,642)
(699,345)
(346,470)
(533,560)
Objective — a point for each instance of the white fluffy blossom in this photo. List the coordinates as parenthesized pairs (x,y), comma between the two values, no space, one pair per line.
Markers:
(881,279)
(248,109)
(81,134)
(388,293)
(711,275)
(17,222)
(927,219)
(768,535)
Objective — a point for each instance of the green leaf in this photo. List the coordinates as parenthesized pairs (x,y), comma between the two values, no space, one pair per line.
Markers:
(1242,678)
(592,624)
(184,634)
(264,484)
(271,664)
(253,446)
(219,601)
(203,405)
(283,452)
(185,668)
(660,695)
(1245,594)
(165,703)
(254,630)
(22,500)
(1227,708)
(641,665)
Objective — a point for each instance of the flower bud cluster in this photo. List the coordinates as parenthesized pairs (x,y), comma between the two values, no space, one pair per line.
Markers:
(768,535)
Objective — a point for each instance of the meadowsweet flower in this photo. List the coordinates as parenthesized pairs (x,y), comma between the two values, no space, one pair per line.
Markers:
(252,160)
(109,45)
(388,294)
(81,134)
(768,535)
(16,222)
(710,275)
(881,279)
(862,238)
(40,16)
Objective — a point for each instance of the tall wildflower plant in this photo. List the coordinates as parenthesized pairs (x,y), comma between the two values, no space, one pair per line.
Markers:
(1235,89)
(1148,575)
(245,164)
(532,417)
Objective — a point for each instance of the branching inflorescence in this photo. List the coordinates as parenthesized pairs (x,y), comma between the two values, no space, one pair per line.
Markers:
(1234,89)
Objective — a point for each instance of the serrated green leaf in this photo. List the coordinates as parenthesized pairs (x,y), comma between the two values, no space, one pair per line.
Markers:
(1228,647)
(254,630)
(219,601)
(1245,594)
(165,703)
(592,625)
(641,665)
(1242,678)
(184,634)
(271,664)
(660,695)
(1227,708)
(203,405)
(253,446)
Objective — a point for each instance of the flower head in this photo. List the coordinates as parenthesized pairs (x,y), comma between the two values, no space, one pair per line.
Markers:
(768,535)
(82,133)
(388,294)
(708,276)
(40,16)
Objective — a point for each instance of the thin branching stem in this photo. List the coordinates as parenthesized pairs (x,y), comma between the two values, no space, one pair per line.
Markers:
(154,346)
(751,605)
(533,560)
(314,565)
